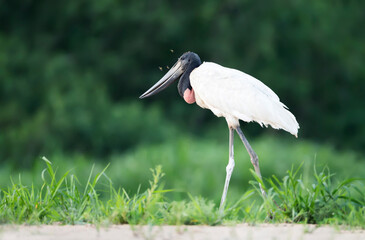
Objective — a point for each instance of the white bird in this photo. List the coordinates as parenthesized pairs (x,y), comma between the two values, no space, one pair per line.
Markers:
(231,94)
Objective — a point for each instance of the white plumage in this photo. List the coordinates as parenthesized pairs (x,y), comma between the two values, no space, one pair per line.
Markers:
(236,95)
(231,94)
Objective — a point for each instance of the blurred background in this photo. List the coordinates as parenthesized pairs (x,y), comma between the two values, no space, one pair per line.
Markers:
(71,73)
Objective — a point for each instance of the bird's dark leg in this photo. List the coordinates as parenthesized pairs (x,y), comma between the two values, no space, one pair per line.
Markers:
(229,168)
(253,156)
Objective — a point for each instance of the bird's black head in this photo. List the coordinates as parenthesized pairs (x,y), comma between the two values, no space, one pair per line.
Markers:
(182,69)
(190,59)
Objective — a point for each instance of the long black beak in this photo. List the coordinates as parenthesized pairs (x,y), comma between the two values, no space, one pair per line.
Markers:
(173,74)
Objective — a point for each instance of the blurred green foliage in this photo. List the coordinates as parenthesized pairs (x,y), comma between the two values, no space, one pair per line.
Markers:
(71,71)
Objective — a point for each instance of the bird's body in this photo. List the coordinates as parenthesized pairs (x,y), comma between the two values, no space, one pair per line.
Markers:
(228,93)
(236,95)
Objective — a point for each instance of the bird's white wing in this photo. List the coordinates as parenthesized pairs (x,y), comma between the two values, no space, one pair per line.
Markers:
(237,95)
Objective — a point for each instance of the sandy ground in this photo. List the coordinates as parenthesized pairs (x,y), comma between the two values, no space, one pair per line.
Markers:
(241,231)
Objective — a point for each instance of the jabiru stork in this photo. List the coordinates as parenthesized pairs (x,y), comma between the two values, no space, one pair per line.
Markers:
(231,94)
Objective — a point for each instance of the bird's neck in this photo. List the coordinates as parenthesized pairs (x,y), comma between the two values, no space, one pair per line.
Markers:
(184,81)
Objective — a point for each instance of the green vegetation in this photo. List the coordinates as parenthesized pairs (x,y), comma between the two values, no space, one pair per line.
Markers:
(321,201)
(71,72)
(62,199)
(197,165)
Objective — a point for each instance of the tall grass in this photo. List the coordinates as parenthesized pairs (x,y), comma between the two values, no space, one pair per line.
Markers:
(198,166)
(62,199)
(291,199)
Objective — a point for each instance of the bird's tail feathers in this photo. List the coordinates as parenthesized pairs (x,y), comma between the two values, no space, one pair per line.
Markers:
(286,120)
